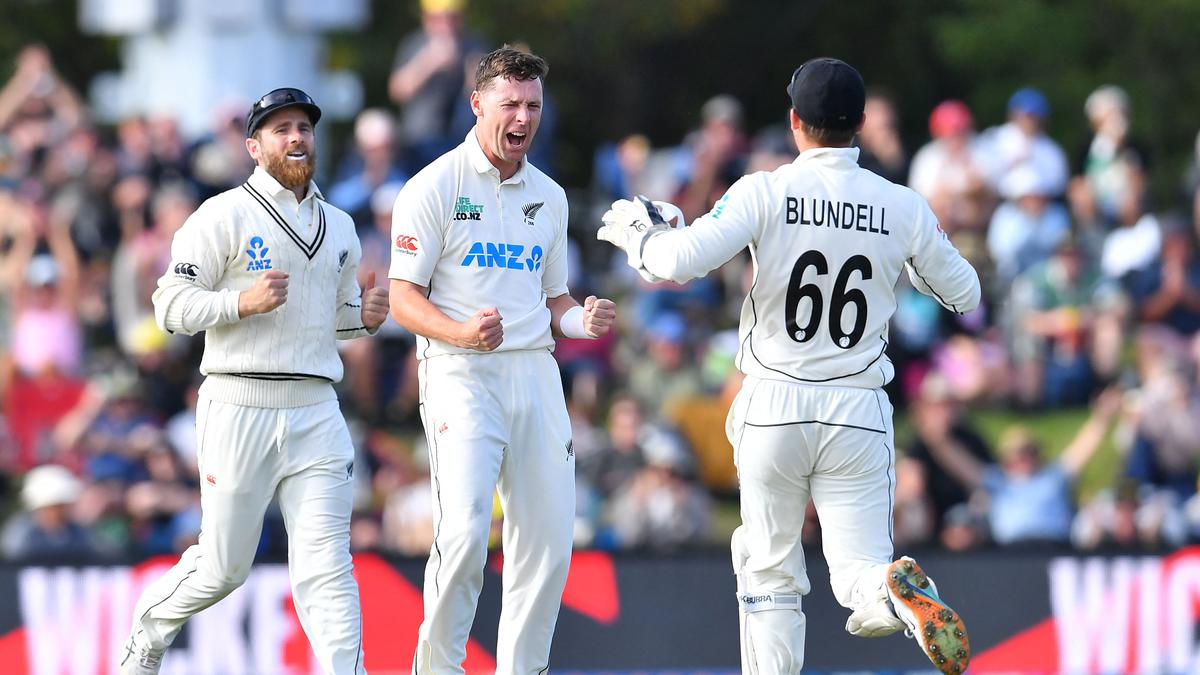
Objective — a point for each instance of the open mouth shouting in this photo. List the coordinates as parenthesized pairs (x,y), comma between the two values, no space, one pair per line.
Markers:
(516,141)
(297,155)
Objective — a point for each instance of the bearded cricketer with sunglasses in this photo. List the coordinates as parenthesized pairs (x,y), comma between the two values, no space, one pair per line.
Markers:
(269,271)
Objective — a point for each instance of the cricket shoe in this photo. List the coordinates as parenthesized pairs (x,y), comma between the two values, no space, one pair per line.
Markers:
(937,628)
(140,660)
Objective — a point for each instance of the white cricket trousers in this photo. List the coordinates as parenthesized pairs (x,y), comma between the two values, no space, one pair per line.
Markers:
(496,422)
(247,454)
(794,442)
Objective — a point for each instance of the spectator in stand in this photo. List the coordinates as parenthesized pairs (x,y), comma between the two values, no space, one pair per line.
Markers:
(771,148)
(661,507)
(881,149)
(1027,226)
(102,426)
(701,419)
(1131,516)
(427,80)
(713,156)
(614,464)
(165,505)
(1165,445)
(938,420)
(46,328)
(619,169)
(47,340)
(951,171)
(912,512)
(665,371)
(77,176)
(1072,319)
(37,108)
(395,512)
(408,517)
(169,150)
(219,161)
(143,255)
(381,373)
(1022,143)
(1030,497)
(976,367)
(1169,293)
(371,165)
(46,528)
(1135,243)
(1111,164)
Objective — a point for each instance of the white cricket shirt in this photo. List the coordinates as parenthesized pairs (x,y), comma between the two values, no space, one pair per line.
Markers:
(477,242)
(288,356)
(829,240)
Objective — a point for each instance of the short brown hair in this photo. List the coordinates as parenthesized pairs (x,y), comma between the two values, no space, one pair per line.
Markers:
(510,63)
(830,138)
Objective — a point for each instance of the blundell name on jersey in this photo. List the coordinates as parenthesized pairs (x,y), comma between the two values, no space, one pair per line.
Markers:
(842,215)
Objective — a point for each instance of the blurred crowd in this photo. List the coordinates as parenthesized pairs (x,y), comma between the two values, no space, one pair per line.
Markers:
(1091,301)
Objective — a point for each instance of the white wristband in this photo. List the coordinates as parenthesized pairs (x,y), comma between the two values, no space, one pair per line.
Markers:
(571,324)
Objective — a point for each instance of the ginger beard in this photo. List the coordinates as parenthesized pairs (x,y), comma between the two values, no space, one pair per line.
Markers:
(291,172)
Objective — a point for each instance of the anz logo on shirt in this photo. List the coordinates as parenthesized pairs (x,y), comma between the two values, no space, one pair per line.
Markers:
(258,255)
(503,255)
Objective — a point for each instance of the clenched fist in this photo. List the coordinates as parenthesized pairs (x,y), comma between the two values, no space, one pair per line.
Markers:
(598,316)
(482,332)
(268,292)
(374,303)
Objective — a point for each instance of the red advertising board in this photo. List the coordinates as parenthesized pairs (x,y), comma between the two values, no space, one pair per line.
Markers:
(1028,612)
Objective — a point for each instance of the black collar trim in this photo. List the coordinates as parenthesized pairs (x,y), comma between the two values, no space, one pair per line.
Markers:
(309,250)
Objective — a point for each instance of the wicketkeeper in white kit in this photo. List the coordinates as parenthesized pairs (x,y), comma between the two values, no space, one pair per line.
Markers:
(269,271)
(479,274)
(828,240)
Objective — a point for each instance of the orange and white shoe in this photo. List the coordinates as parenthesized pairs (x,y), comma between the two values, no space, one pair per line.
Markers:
(937,628)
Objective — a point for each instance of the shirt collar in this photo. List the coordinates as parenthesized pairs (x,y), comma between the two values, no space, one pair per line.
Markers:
(482,164)
(829,156)
(265,182)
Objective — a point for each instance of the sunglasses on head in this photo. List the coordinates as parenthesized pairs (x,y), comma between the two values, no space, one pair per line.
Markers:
(282,96)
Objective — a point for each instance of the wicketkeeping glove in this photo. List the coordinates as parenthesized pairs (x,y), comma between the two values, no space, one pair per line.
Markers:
(629,224)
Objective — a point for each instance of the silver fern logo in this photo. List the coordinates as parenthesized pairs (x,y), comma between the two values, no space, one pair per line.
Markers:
(531,211)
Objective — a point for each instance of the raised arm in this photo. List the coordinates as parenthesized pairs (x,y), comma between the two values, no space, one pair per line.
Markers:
(947,451)
(1087,440)
(684,253)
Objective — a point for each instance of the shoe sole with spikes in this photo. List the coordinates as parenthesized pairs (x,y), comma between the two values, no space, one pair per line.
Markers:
(936,627)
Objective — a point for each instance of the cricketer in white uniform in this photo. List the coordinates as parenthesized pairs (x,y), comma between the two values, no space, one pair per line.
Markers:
(829,241)
(268,271)
(479,274)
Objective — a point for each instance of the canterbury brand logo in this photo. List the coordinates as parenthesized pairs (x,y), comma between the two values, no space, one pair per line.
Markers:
(406,243)
(185,270)
(530,211)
